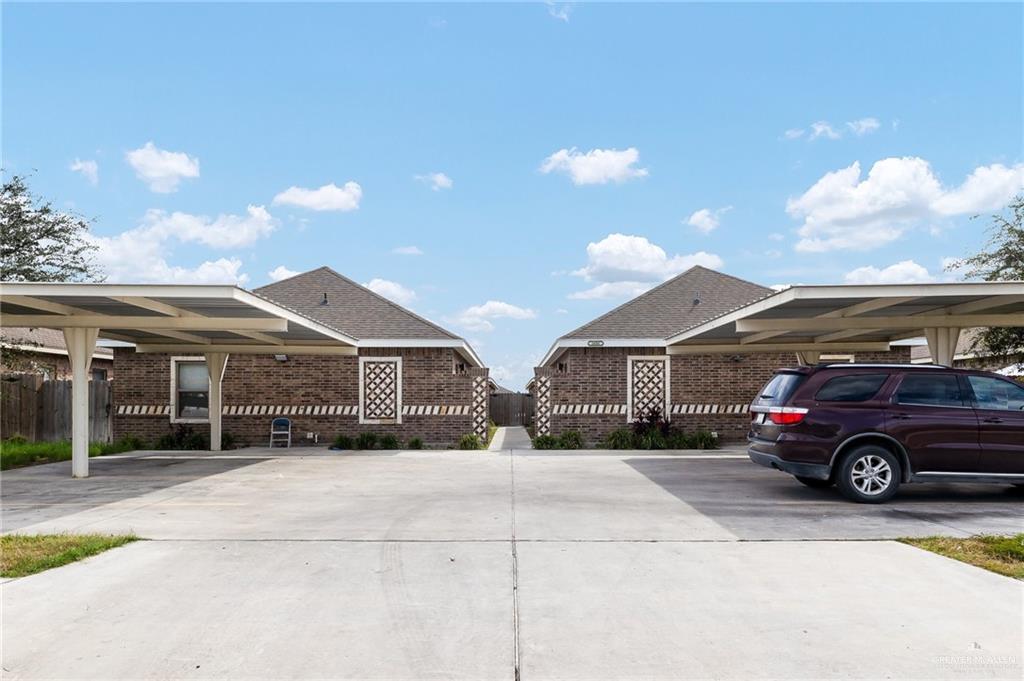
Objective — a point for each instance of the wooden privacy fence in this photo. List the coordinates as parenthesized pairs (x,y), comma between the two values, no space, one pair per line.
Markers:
(511,409)
(40,409)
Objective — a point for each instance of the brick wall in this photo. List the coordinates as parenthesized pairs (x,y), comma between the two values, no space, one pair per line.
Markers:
(428,380)
(702,384)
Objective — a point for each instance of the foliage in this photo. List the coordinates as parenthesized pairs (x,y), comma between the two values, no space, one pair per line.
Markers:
(17,451)
(469,441)
(703,439)
(545,442)
(22,554)
(1003,554)
(570,439)
(366,441)
(227,441)
(40,243)
(182,437)
(1001,260)
(620,439)
(343,442)
(415,443)
(650,422)
(389,441)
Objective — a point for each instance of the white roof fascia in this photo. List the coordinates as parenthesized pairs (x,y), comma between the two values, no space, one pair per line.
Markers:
(563,343)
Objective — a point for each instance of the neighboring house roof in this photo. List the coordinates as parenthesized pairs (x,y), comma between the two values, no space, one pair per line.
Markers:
(47,341)
(350,308)
(673,306)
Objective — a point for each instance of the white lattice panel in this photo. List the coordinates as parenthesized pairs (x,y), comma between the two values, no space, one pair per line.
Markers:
(481,394)
(543,407)
(381,390)
(648,386)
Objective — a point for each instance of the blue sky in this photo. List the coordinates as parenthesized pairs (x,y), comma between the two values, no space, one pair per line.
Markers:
(542,162)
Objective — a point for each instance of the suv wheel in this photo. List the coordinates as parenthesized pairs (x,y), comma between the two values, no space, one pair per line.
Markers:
(869,475)
(814,482)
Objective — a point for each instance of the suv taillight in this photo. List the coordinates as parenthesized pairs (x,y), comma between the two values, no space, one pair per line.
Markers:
(786,416)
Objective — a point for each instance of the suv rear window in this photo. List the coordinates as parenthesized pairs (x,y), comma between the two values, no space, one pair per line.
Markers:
(851,388)
(940,390)
(778,389)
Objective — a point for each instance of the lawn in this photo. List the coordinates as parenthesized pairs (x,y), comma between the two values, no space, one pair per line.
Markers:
(1003,554)
(16,452)
(22,555)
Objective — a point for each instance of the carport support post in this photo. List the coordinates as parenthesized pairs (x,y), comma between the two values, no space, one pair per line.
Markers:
(806,358)
(215,363)
(942,344)
(81,345)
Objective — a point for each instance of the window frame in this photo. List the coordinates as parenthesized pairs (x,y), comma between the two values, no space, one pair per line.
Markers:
(397,360)
(174,389)
(965,403)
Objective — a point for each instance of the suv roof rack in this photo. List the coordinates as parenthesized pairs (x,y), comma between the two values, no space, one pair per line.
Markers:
(884,365)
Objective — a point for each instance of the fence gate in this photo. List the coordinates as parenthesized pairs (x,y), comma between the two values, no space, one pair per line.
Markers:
(40,410)
(511,409)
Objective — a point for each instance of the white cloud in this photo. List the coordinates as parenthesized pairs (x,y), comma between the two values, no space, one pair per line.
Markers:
(391,290)
(823,129)
(863,126)
(90,170)
(407,250)
(905,272)
(224,231)
(162,170)
(560,11)
(436,181)
(706,220)
(776,236)
(478,317)
(281,272)
(843,211)
(327,197)
(621,265)
(597,166)
(794,133)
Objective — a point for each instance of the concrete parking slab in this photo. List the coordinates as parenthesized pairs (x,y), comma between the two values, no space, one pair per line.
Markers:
(267,610)
(766,610)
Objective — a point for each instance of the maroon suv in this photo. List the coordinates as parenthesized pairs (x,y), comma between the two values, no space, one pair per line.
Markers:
(868,427)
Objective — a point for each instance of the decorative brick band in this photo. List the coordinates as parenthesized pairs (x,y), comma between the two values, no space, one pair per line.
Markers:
(298,410)
(620,409)
(710,408)
(566,409)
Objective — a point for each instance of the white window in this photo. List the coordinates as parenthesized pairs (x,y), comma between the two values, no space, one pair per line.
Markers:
(380,389)
(190,390)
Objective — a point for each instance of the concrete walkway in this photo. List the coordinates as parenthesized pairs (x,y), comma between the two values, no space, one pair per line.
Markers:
(485,565)
(510,437)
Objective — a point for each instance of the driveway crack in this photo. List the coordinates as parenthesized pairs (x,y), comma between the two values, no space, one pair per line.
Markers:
(515,566)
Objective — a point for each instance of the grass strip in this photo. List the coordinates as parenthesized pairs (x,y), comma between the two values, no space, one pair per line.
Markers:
(27,554)
(16,452)
(1002,554)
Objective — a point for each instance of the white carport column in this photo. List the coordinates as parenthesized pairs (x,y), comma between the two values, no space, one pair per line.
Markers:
(81,344)
(806,358)
(942,344)
(215,364)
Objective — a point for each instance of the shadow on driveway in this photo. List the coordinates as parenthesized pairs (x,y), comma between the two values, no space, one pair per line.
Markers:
(757,503)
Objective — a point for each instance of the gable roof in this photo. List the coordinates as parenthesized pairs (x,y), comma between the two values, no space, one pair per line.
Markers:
(49,341)
(670,307)
(351,309)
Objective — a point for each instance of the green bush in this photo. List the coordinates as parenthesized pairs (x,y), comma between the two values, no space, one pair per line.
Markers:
(389,441)
(652,439)
(704,439)
(620,439)
(342,442)
(469,441)
(570,439)
(545,442)
(366,441)
(182,437)
(227,441)
(415,443)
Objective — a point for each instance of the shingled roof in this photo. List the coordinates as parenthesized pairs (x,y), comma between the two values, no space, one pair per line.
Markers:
(691,298)
(350,308)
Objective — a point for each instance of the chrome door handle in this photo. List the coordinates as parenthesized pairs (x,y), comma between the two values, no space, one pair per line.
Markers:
(993,419)
(901,417)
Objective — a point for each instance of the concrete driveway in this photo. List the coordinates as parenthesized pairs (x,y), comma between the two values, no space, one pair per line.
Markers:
(476,565)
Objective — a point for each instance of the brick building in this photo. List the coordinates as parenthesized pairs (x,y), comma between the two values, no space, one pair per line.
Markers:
(43,351)
(608,372)
(407,376)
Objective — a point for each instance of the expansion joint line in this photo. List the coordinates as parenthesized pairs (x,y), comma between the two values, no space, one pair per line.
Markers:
(515,565)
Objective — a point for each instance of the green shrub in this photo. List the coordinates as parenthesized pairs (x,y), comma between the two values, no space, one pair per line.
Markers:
(182,437)
(469,441)
(704,439)
(652,439)
(227,441)
(342,442)
(570,439)
(389,441)
(415,443)
(16,440)
(620,439)
(366,441)
(545,442)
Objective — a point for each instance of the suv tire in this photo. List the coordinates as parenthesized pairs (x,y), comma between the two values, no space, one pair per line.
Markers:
(869,474)
(816,483)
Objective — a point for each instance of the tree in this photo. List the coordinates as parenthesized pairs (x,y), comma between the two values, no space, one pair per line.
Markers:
(38,243)
(1002,259)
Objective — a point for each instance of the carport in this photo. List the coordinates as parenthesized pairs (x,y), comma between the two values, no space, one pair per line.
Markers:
(214,321)
(813,320)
